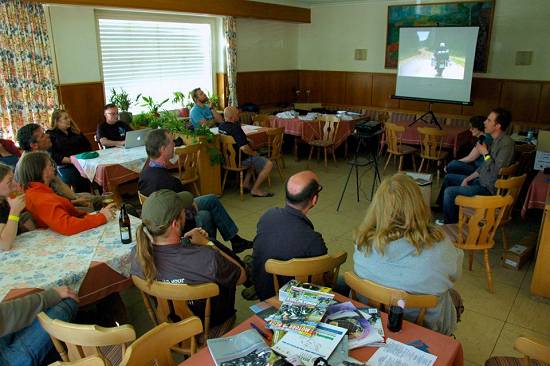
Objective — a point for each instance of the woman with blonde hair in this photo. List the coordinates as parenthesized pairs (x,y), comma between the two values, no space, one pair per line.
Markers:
(398,246)
(67,140)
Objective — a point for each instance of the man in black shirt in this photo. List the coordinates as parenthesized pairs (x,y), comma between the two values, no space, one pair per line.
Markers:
(112,132)
(261,165)
(286,233)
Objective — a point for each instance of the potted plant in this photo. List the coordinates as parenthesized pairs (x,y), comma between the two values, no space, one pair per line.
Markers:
(142,120)
(185,101)
(214,99)
(152,106)
(122,101)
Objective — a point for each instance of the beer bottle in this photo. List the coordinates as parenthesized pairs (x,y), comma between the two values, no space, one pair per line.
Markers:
(124,225)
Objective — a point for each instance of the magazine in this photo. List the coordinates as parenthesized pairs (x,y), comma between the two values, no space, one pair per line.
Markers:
(361,325)
(299,317)
(397,353)
(246,348)
(307,290)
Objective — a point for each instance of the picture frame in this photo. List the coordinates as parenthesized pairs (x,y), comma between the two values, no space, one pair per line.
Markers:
(447,14)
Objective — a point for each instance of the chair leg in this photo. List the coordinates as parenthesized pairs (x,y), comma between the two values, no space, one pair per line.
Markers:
(470,259)
(387,162)
(505,243)
(488,270)
(400,163)
(241,185)
(280,170)
(196,188)
(224,179)
(333,154)
(310,154)
(421,165)
(325,154)
(414,162)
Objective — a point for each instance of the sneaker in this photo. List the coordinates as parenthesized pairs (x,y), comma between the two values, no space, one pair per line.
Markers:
(249,294)
(241,246)
(439,222)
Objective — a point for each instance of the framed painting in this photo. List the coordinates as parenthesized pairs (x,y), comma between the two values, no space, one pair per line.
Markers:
(451,14)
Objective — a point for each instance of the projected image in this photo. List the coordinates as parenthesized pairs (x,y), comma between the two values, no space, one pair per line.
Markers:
(425,55)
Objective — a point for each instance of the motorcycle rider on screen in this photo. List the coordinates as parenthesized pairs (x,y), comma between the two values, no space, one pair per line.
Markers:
(440,58)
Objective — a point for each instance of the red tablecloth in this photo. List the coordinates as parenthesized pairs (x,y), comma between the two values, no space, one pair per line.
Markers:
(536,195)
(447,349)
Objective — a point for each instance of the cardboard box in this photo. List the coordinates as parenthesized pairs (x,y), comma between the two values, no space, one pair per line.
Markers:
(516,256)
(542,157)
(424,182)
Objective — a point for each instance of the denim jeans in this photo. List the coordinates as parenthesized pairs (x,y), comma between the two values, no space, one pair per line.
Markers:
(212,216)
(459,167)
(452,188)
(30,345)
(71,176)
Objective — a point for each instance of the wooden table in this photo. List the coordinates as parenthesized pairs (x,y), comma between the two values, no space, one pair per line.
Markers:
(447,349)
(536,195)
(93,263)
(540,284)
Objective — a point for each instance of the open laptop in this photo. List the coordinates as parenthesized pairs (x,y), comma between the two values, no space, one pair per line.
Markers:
(136,138)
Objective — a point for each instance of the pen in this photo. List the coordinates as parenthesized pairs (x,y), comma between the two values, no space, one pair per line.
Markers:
(262,333)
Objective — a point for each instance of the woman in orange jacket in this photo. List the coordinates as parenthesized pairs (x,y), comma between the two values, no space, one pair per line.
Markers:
(35,172)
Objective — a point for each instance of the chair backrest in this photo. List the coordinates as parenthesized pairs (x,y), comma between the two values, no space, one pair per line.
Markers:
(393,136)
(171,300)
(322,270)
(142,197)
(231,158)
(383,297)
(101,147)
(431,141)
(188,161)
(154,347)
(275,142)
(328,127)
(533,349)
(478,219)
(88,361)
(247,117)
(68,336)
(260,120)
(512,187)
(508,171)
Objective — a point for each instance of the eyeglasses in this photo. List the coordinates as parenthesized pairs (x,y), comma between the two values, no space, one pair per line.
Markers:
(319,189)
(112,113)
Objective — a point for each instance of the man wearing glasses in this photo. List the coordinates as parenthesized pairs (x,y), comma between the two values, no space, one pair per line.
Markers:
(112,132)
(286,233)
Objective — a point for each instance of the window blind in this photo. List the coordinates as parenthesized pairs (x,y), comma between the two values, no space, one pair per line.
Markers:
(155,58)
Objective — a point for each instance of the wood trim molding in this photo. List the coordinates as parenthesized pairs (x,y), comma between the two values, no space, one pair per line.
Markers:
(236,8)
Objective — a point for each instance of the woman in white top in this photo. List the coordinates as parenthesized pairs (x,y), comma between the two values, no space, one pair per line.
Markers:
(398,246)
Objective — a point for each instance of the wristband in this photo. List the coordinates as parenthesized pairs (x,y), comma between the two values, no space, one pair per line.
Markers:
(210,244)
(487,157)
(13,218)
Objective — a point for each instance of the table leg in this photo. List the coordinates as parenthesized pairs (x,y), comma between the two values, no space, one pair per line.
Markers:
(296,148)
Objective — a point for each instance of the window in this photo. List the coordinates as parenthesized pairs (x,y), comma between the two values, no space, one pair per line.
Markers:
(155,58)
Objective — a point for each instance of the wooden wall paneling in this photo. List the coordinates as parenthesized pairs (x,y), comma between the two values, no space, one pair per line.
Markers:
(543,115)
(521,98)
(285,83)
(413,105)
(485,96)
(383,87)
(447,108)
(312,81)
(358,88)
(84,102)
(334,88)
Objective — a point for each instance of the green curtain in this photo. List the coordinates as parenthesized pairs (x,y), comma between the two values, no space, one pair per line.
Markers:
(230,34)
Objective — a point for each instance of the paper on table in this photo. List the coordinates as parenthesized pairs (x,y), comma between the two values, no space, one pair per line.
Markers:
(398,354)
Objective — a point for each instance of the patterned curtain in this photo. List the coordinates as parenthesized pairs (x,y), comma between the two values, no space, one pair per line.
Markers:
(27,86)
(230,34)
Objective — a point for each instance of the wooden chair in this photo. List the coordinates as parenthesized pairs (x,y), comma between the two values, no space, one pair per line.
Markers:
(80,341)
(508,171)
(431,143)
(478,219)
(232,161)
(261,120)
(511,186)
(170,302)
(395,146)
(247,118)
(274,149)
(188,165)
(383,297)
(88,361)
(534,351)
(142,198)
(322,270)
(154,347)
(101,147)
(326,137)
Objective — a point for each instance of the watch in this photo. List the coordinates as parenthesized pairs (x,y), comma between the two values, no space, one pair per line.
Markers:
(487,157)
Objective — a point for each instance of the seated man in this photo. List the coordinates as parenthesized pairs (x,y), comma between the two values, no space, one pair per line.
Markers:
(211,213)
(470,163)
(286,233)
(203,112)
(23,341)
(160,255)
(261,165)
(482,181)
(112,132)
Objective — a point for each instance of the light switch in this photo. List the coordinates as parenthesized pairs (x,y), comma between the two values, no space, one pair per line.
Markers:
(361,54)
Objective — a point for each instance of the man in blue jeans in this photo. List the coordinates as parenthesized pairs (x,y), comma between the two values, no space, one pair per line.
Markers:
(482,181)
(23,341)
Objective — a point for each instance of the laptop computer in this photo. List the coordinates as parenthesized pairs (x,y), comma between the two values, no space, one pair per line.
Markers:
(136,138)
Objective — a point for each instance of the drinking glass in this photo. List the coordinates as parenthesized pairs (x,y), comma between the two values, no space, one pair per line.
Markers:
(107,198)
(395,315)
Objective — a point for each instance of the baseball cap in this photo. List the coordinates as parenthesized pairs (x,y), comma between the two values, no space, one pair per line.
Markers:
(164,206)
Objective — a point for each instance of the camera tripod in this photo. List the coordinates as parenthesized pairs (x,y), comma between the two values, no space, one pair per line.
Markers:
(371,158)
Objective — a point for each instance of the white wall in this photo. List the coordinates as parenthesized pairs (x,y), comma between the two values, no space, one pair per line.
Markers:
(266,45)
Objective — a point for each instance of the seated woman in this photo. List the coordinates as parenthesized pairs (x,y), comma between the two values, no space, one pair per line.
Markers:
(398,246)
(67,140)
(23,341)
(469,164)
(9,153)
(161,255)
(12,202)
(36,172)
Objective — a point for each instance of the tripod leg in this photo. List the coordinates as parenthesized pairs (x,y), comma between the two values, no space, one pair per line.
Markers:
(344,190)
(387,161)
(421,165)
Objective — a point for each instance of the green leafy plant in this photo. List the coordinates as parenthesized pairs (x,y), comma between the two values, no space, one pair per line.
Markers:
(120,99)
(152,106)
(214,99)
(186,101)
(142,120)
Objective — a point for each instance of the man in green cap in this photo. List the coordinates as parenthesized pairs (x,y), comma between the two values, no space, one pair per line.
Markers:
(162,255)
